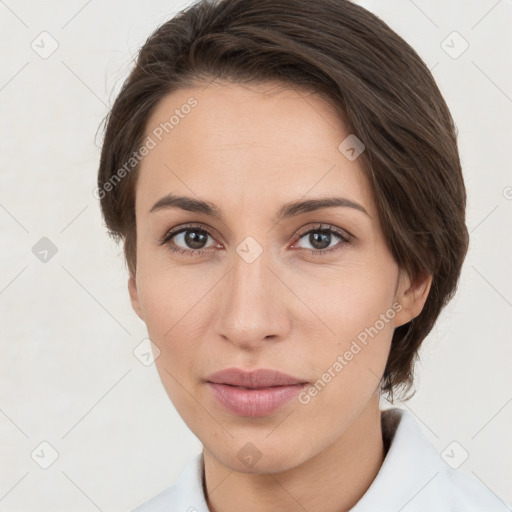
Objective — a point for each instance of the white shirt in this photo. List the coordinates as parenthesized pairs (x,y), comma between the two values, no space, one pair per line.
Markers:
(413,477)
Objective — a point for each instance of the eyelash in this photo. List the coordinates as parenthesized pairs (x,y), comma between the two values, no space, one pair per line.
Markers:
(345,239)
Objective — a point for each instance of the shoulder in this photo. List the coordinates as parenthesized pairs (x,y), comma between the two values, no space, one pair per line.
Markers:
(460,491)
(443,484)
(161,502)
(185,495)
(415,478)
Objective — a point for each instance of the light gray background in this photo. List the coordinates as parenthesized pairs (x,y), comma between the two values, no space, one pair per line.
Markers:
(68,373)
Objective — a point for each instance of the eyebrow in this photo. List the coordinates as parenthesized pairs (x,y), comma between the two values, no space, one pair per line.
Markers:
(290,209)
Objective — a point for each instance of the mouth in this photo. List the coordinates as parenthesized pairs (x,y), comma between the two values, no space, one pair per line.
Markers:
(254,379)
(253,402)
(246,387)
(253,393)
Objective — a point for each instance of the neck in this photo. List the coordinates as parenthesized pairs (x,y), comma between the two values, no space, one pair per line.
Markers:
(332,481)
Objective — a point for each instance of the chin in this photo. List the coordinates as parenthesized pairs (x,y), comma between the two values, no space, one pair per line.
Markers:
(250,460)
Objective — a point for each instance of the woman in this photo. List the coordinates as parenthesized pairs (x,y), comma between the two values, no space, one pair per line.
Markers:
(286,181)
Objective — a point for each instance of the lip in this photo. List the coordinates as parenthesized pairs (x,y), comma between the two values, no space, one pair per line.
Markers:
(255,379)
(253,393)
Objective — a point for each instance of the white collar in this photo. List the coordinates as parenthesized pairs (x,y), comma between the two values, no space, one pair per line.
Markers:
(413,477)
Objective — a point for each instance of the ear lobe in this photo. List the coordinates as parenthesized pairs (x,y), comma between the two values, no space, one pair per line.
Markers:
(134,297)
(411,295)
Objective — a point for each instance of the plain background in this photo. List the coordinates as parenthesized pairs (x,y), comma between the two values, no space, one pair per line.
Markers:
(68,373)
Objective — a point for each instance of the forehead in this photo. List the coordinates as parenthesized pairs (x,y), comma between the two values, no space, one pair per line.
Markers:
(247,144)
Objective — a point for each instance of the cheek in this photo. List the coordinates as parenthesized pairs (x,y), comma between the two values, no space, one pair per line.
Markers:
(169,297)
(171,320)
(349,368)
(347,299)
(174,305)
(357,317)
(365,315)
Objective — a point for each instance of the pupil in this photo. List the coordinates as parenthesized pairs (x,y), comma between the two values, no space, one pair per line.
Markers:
(320,240)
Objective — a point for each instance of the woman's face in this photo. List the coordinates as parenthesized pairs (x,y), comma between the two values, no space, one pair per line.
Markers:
(260,284)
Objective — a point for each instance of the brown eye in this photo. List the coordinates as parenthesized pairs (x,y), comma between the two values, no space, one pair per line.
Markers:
(323,239)
(187,239)
(192,238)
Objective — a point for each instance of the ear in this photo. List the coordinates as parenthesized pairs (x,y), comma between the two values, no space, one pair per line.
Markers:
(411,295)
(134,297)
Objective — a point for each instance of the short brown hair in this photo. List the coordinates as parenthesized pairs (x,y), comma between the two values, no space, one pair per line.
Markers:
(379,84)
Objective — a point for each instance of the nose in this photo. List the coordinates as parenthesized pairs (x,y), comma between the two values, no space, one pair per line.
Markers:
(252,307)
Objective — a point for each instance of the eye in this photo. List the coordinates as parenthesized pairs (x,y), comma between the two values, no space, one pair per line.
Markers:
(192,240)
(187,240)
(321,239)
